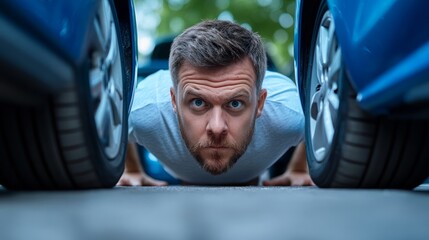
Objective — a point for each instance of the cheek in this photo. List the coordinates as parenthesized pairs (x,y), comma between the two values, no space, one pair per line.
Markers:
(193,127)
(239,126)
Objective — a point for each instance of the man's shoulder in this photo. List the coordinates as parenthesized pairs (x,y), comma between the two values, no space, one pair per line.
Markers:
(282,116)
(154,89)
(277,81)
(159,79)
(151,103)
(280,89)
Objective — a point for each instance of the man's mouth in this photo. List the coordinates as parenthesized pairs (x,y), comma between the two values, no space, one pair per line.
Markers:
(216,147)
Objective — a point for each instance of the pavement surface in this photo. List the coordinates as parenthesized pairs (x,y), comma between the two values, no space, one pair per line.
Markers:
(196,213)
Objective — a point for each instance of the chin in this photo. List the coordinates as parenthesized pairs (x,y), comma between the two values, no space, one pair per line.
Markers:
(217,164)
(215,169)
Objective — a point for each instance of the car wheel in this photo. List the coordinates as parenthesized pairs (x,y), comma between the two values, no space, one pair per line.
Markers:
(76,139)
(346,146)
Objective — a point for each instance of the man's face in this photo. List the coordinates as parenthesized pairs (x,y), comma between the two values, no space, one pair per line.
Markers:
(217,109)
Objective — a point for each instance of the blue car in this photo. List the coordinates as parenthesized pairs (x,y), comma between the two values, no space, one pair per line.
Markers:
(362,69)
(67,74)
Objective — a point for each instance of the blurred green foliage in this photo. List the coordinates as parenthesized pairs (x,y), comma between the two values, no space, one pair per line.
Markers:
(272,19)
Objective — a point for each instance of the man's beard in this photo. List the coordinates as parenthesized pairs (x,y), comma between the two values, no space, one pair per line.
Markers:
(215,166)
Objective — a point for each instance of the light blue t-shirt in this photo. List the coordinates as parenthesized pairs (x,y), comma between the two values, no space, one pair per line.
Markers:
(154,124)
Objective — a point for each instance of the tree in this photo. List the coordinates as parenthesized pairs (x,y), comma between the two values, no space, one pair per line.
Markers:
(272,19)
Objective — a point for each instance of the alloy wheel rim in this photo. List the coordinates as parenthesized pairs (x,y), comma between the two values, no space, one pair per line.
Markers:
(324,88)
(106,81)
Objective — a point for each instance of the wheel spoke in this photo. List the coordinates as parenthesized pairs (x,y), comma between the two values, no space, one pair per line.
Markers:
(328,124)
(320,130)
(115,101)
(100,40)
(96,77)
(113,47)
(333,101)
(318,133)
(116,77)
(103,118)
(324,44)
(320,140)
(105,19)
(108,119)
(335,67)
(318,64)
(330,39)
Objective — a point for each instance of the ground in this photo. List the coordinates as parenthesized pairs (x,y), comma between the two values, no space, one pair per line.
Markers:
(194,213)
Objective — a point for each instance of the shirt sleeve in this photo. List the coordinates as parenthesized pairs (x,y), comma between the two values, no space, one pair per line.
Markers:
(145,112)
(283,111)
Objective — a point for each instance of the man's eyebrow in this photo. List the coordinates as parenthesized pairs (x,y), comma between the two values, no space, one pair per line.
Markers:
(230,96)
(191,92)
(240,93)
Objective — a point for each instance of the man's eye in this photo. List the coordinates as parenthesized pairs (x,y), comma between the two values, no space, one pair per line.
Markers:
(235,104)
(198,103)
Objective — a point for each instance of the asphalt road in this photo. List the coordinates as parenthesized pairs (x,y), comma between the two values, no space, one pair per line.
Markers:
(196,213)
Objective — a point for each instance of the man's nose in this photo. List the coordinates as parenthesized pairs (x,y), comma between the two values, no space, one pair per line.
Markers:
(217,126)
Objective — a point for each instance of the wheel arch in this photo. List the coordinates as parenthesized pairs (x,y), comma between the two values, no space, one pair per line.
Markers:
(306,13)
(127,22)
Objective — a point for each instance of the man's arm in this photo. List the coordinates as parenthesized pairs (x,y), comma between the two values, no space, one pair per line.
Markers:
(134,174)
(296,173)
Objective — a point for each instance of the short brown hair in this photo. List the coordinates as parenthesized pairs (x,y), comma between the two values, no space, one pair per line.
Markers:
(216,43)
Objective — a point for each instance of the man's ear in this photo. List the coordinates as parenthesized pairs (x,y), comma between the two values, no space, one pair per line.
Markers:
(173,99)
(261,101)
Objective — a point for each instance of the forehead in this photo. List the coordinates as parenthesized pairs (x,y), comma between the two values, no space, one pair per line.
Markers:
(239,75)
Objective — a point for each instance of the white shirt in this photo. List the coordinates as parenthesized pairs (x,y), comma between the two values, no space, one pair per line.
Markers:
(154,124)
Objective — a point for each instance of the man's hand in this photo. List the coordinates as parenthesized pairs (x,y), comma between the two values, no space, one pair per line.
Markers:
(291,178)
(139,179)
(134,175)
(296,173)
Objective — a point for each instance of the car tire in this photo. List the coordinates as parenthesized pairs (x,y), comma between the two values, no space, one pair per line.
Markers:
(77,138)
(346,146)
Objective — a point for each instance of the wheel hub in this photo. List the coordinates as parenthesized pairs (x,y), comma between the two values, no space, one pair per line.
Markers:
(106,81)
(324,87)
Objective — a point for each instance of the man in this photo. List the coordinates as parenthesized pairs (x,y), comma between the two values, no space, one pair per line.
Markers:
(210,120)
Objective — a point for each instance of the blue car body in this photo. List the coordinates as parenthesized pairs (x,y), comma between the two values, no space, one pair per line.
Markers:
(384,46)
(59,29)
(65,23)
